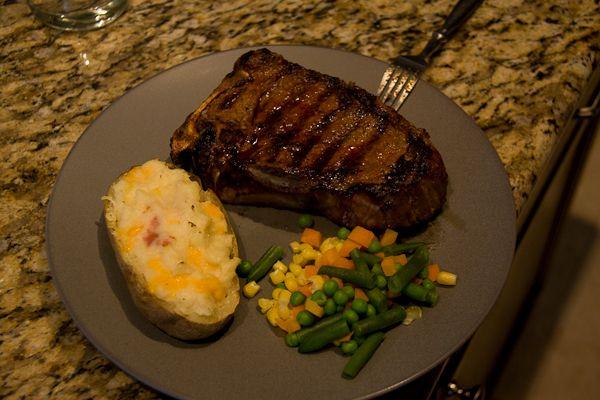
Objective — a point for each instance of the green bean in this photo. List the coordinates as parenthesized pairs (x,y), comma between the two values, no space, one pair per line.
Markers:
(421,293)
(302,333)
(359,278)
(362,355)
(262,266)
(432,297)
(388,318)
(321,337)
(399,248)
(415,264)
(415,292)
(428,284)
(371,259)
(359,262)
(378,299)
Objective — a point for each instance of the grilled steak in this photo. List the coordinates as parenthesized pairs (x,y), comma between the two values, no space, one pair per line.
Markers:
(277,134)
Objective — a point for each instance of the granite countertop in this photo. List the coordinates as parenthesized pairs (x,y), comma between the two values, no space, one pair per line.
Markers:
(518,68)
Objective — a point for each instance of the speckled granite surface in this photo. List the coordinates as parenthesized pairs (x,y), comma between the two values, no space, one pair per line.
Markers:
(517,68)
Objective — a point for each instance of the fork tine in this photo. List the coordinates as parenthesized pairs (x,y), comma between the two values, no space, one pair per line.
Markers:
(395,75)
(385,81)
(405,91)
(398,87)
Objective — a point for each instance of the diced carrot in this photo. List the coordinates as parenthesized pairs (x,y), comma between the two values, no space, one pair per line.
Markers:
(360,294)
(347,247)
(295,310)
(311,237)
(305,290)
(388,237)
(310,270)
(327,258)
(343,339)
(289,325)
(432,272)
(362,236)
(401,259)
(342,262)
(388,265)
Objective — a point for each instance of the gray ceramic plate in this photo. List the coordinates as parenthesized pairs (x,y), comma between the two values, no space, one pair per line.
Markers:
(474,237)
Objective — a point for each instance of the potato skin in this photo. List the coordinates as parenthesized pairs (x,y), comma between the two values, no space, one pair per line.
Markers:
(153,308)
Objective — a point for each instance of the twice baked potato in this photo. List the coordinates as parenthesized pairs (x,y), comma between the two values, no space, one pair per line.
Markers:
(175,247)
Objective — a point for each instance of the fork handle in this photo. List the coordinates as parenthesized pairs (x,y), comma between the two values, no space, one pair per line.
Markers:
(458,16)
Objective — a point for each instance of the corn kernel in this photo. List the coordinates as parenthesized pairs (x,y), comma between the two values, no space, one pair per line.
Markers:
(279,266)
(265,304)
(295,246)
(316,282)
(277,292)
(330,243)
(339,245)
(298,259)
(283,311)
(305,246)
(291,283)
(273,316)
(250,289)
(284,296)
(314,308)
(301,278)
(446,278)
(295,269)
(277,277)
(310,254)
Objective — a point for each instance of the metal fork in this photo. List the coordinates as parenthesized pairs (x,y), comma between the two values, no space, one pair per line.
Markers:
(401,76)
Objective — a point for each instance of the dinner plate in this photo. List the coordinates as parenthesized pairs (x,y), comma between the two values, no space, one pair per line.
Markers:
(474,237)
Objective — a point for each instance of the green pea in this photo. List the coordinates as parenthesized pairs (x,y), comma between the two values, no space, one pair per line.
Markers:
(376,269)
(349,290)
(343,233)
(330,287)
(349,347)
(297,298)
(340,297)
(360,306)
(281,285)
(319,297)
(429,285)
(339,308)
(305,221)
(243,268)
(351,316)
(423,274)
(374,247)
(291,339)
(305,318)
(371,310)
(330,307)
(380,281)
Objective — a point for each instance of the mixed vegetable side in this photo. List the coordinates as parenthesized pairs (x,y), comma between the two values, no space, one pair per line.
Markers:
(345,290)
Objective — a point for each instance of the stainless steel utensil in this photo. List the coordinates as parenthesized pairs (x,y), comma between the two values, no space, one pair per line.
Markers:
(401,76)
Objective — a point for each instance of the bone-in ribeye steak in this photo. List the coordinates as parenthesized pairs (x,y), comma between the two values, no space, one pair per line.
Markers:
(275,133)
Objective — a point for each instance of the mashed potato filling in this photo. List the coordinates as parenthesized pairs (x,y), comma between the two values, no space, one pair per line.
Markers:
(176,241)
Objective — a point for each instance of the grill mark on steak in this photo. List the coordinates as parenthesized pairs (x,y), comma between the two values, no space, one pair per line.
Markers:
(274,133)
